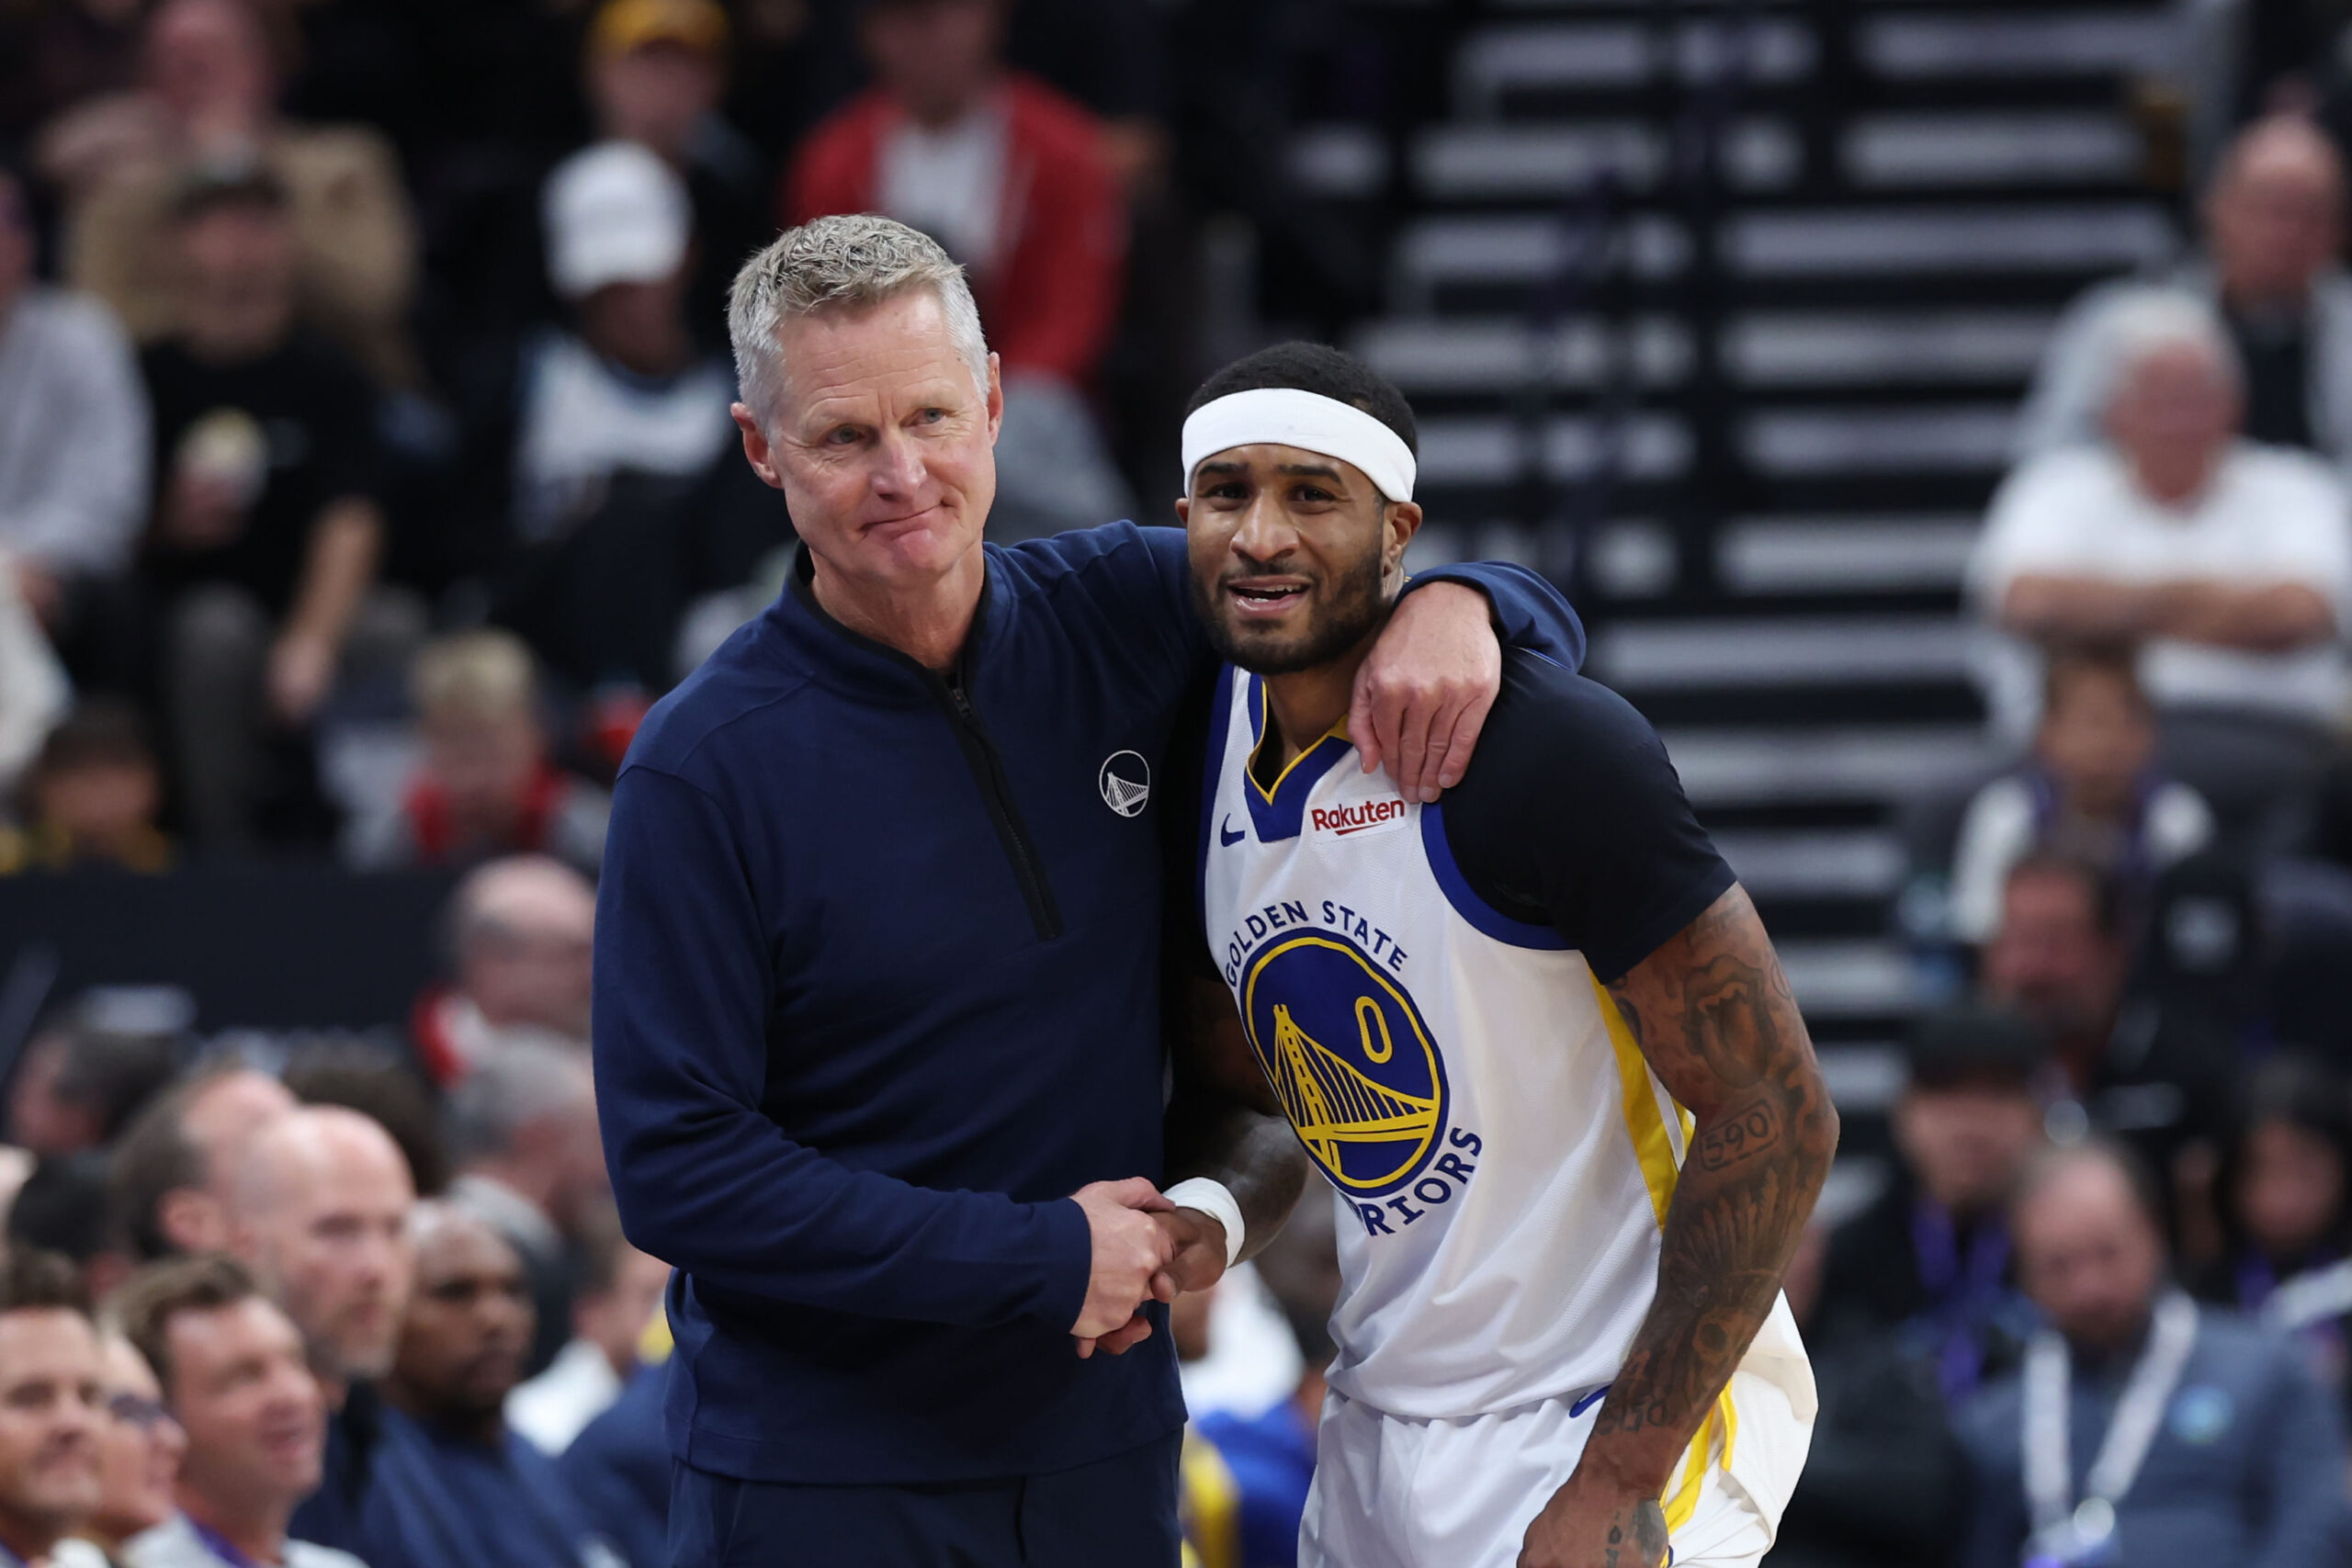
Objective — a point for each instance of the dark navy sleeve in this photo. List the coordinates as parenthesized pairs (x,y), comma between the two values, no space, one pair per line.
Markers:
(705,1178)
(1529,612)
(1571,817)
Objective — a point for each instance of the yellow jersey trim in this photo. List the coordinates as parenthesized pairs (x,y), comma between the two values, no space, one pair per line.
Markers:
(1683,1505)
(1652,1146)
(1211,1506)
(1265,733)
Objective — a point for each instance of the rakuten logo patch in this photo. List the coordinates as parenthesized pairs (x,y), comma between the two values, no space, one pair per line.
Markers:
(1350,819)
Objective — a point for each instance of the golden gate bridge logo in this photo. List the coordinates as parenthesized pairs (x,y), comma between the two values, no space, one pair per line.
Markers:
(1369,1104)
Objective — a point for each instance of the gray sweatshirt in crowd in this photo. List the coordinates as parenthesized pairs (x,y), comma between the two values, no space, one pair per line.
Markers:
(74,434)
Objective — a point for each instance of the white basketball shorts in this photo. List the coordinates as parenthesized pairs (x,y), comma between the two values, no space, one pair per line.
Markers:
(1395,1492)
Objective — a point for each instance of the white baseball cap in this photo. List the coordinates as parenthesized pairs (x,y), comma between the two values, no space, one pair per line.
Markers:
(615,213)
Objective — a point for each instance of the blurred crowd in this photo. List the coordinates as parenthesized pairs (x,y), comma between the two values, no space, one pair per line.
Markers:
(2129,1091)
(365,459)
(366,471)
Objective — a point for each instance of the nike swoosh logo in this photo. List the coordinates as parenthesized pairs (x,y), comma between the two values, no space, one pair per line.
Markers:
(1227,837)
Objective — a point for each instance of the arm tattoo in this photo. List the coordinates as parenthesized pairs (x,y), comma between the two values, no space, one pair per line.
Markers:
(1713,1015)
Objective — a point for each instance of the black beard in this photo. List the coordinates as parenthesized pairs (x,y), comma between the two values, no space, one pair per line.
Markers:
(1347,610)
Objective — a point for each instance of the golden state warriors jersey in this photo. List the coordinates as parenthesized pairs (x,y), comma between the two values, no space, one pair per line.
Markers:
(1502,1156)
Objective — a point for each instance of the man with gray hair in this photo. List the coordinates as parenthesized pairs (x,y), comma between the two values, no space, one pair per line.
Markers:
(2272,269)
(879,1036)
(522,1132)
(2229,562)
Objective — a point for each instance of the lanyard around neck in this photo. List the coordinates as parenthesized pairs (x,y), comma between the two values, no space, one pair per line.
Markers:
(221,1547)
(2048,1467)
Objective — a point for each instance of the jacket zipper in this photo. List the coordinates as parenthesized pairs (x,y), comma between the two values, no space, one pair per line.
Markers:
(988,769)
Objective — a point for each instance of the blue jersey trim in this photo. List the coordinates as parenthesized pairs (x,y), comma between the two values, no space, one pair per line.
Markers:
(1277,816)
(1466,903)
(1220,726)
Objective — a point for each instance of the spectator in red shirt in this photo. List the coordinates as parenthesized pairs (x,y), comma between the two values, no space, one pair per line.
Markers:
(487,786)
(1011,179)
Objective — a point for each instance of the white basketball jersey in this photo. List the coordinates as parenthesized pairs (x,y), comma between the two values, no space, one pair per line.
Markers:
(1502,1154)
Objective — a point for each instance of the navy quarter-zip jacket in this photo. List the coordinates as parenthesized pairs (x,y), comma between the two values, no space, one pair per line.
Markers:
(877,988)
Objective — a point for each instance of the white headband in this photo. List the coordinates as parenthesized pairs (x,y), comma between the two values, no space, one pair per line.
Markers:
(1286,416)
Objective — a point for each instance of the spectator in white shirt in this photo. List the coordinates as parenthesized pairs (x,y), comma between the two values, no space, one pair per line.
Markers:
(2089,788)
(630,390)
(2230,563)
(73,435)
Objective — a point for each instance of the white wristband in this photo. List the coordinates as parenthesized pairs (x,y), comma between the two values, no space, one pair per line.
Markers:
(1210,1197)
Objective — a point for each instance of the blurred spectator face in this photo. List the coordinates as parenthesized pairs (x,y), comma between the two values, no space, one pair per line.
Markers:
(2049,961)
(2174,412)
(51,1412)
(255,1415)
(207,61)
(656,95)
(237,281)
(219,1122)
(469,1326)
(99,805)
(139,1446)
(485,763)
(884,445)
(2275,215)
(1966,1142)
(525,934)
(323,1219)
(483,747)
(2097,737)
(38,1120)
(2290,1189)
(935,56)
(639,326)
(2087,1254)
(620,246)
(16,243)
(615,1320)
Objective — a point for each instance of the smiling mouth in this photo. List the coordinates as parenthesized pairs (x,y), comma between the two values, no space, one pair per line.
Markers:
(1266,599)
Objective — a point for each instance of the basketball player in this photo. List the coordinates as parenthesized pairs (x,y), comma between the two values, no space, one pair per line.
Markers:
(1535,1035)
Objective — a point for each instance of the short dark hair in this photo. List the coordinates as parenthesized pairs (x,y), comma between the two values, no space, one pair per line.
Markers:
(1315,367)
(113,1074)
(142,1309)
(62,1207)
(1972,1044)
(383,1087)
(2102,887)
(2308,1094)
(101,732)
(34,1280)
(156,1156)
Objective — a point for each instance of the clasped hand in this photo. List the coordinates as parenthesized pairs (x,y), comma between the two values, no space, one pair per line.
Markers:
(1146,1249)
